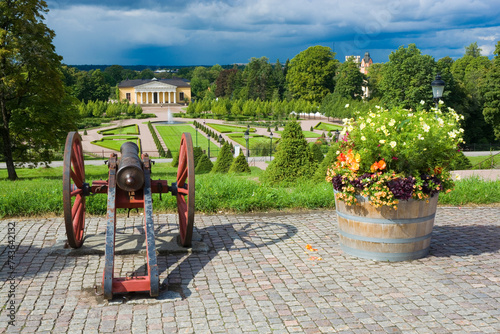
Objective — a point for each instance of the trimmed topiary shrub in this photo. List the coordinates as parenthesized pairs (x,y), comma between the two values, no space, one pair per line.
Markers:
(293,159)
(175,162)
(316,153)
(240,165)
(204,165)
(197,153)
(327,162)
(224,160)
(168,155)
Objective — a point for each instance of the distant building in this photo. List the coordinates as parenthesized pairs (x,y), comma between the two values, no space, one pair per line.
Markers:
(356,59)
(365,63)
(154,91)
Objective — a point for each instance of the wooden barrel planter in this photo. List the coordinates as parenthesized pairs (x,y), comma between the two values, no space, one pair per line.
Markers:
(386,234)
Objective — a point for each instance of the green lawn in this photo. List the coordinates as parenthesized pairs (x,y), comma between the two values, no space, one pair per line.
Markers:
(115,142)
(327,127)
(484,162)
(172,134)
(307,134)
(254,140)
(121,130)
(224,128)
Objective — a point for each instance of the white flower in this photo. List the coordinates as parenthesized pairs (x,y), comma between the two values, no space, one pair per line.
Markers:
(426,128)
(420,137)
(422,102)
(362,126)
(452,134)
(441,102)
(457,177)
(381,141)
(410,115)
(392,122)
(372,115)
(368,121)
(338,152)
(363,138)
(393,144)
(440,121)
(378,107)
(347,105)
(350,128)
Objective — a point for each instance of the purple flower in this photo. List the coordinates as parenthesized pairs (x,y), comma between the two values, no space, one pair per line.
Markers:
(402,188)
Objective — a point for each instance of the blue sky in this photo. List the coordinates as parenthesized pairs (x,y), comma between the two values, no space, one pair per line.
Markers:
(189,32)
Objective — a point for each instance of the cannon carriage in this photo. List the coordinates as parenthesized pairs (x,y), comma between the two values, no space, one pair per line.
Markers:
(129,186)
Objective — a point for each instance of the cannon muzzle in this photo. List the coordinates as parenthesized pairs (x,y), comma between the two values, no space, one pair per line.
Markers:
(130,175)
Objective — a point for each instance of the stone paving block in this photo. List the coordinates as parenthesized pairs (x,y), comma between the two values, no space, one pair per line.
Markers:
(256,275)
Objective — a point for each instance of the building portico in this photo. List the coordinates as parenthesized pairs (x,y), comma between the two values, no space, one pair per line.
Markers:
(155,91)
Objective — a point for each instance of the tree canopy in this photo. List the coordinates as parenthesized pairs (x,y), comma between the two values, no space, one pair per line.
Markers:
(36,114)
(311,74)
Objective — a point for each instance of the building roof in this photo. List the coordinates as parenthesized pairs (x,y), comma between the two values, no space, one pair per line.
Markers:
(367,57)
(138,82)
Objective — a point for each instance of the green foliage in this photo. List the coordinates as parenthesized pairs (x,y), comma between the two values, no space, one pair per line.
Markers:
(158,144)
(407,77)
(349,80)
(240,165)
(175,160)
(197,153)
(328,161)
(121,130)
(36,111)
(204,165)
(492,97)
(460,162)
(316,153)
(311,74)
(293,158)
(224,160)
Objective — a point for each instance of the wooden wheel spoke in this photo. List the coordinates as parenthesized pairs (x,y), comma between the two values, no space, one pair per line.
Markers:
(76,206)
(76,192)
(183,191)
(181,179)
(76,179)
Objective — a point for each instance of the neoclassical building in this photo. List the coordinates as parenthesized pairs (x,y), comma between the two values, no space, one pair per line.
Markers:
(154,91)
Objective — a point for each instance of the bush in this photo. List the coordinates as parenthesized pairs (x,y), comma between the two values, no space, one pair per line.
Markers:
(316,153)
(204,165)
(224,160)
(240,165)
(197,153)
(460,162)
(293,159)
(175,161)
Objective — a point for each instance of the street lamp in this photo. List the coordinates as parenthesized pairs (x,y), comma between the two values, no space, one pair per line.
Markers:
(437,89)
(337,134)
(208,150)
(220,140)
(271,148)
(247,137)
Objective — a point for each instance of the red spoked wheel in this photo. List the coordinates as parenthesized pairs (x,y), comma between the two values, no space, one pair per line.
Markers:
(185,190)
(74,190)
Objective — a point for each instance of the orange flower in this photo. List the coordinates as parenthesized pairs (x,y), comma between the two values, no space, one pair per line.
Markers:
(438,170)
(378,166)
(310,248)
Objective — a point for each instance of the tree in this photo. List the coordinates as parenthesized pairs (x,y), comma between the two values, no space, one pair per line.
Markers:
(204,165)
(311,74)
(491,109)
(349,80)
(258,79)
(91,86)
(406,78)
(36,113)
(473,50)
(316,152)
(224,160)
(240,165)
(293,159)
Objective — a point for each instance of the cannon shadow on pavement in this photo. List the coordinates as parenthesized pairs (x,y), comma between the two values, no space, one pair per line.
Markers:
(232,237)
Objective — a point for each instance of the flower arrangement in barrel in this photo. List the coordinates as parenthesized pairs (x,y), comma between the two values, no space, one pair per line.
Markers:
(394,155)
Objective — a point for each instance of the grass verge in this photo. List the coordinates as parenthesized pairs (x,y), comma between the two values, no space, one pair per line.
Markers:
(39,192)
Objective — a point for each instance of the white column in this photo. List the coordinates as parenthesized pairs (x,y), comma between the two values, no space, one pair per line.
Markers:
(175,97)
(168,97)
(136,101)
(164,99)
(147,97)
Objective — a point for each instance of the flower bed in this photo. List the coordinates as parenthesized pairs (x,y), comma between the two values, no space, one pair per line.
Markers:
(393,155)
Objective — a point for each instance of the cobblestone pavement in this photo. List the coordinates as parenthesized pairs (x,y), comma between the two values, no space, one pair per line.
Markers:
(259,276)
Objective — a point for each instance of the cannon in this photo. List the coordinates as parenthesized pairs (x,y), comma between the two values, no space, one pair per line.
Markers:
(129,186)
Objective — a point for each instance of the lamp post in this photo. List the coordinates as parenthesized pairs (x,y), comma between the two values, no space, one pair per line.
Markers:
(337,134)
(220,140)
(271,146)
(196,129)
(208,150)
(247,137)
(437,89)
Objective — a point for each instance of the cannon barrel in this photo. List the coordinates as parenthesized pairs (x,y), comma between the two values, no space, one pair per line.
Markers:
(130,175)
